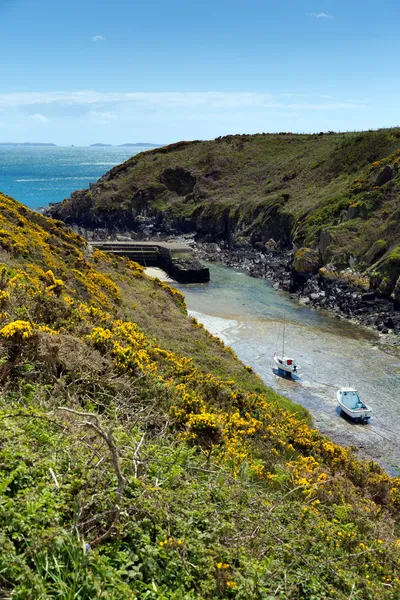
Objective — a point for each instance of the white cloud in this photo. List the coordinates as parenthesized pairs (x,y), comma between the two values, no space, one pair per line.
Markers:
(320,15)
(39,118)
(98,38)
(99,102)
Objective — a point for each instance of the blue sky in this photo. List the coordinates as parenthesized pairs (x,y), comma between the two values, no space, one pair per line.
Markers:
(115,71)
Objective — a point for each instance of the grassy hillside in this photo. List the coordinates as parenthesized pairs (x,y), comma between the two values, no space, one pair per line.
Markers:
(140,459)
(285,186)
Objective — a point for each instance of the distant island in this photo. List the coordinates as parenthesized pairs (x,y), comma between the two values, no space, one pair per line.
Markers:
(26,144)
(138,144)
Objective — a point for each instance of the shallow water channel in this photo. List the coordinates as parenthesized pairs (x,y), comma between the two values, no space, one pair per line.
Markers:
(247,314)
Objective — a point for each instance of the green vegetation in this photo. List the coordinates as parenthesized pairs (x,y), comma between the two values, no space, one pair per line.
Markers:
(140,459)
(285,186)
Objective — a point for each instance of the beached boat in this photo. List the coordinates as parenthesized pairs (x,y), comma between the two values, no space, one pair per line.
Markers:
(352,405)
(285,364)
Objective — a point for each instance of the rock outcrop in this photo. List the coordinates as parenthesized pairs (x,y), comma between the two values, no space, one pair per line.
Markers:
(385,175)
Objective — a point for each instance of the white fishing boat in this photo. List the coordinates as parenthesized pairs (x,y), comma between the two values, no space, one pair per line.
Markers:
(352,405)
(285,364)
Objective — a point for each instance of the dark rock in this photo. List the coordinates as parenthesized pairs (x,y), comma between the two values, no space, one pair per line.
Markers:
(388,322)
(271,245)
(325,242)
(385,175)
(353,212)
(367,296)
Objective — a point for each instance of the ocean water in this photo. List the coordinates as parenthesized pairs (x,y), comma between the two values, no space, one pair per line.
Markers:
(37,175)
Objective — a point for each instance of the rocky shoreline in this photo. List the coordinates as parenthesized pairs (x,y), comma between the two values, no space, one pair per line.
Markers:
(328,289)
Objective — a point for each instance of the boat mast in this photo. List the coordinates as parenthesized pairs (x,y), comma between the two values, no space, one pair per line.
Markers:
(283,340)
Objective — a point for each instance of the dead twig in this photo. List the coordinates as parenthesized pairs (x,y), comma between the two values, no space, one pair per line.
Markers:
(94,424)
(136,457)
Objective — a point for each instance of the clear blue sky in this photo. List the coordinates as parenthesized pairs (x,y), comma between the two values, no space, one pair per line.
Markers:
(85,71)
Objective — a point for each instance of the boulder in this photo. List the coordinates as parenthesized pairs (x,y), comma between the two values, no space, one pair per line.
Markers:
(329,271)
(368,296)
(384,286)
(385,175)
(306,262)
(353,212)
(326,240)
(272,246)
(363,210)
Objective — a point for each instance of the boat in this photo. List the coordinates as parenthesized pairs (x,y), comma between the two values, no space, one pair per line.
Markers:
(285,364)
(352,405)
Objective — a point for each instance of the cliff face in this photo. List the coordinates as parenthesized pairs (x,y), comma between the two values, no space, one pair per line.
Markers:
(337,193)
(140,458)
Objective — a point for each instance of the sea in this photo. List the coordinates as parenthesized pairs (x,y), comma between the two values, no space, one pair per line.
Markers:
(38,175)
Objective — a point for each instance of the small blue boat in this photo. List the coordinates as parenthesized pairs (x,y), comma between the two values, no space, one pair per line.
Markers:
(352,405)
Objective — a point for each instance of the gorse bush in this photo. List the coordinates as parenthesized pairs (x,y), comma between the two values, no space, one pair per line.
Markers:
(140,459)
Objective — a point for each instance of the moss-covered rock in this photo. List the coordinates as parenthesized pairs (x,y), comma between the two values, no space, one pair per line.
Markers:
(306,261)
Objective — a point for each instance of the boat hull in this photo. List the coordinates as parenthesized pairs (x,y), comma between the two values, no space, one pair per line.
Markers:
(357,414)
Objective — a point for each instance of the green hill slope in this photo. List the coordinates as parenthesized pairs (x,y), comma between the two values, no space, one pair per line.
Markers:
(140,459)
(338,193)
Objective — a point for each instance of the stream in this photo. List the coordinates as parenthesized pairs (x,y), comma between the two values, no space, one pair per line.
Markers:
(247,314)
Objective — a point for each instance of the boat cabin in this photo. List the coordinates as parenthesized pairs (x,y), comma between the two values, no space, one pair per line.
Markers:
(351,399)
(286,361)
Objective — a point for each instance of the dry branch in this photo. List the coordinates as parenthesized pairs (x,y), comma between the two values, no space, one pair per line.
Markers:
(94,424)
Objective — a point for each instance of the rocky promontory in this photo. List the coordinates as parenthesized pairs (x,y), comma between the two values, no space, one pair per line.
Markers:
(318,214)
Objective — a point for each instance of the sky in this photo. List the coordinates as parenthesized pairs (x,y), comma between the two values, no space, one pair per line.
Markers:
(117,71)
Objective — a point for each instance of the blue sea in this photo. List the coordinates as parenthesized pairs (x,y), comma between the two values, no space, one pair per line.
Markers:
(38,175)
